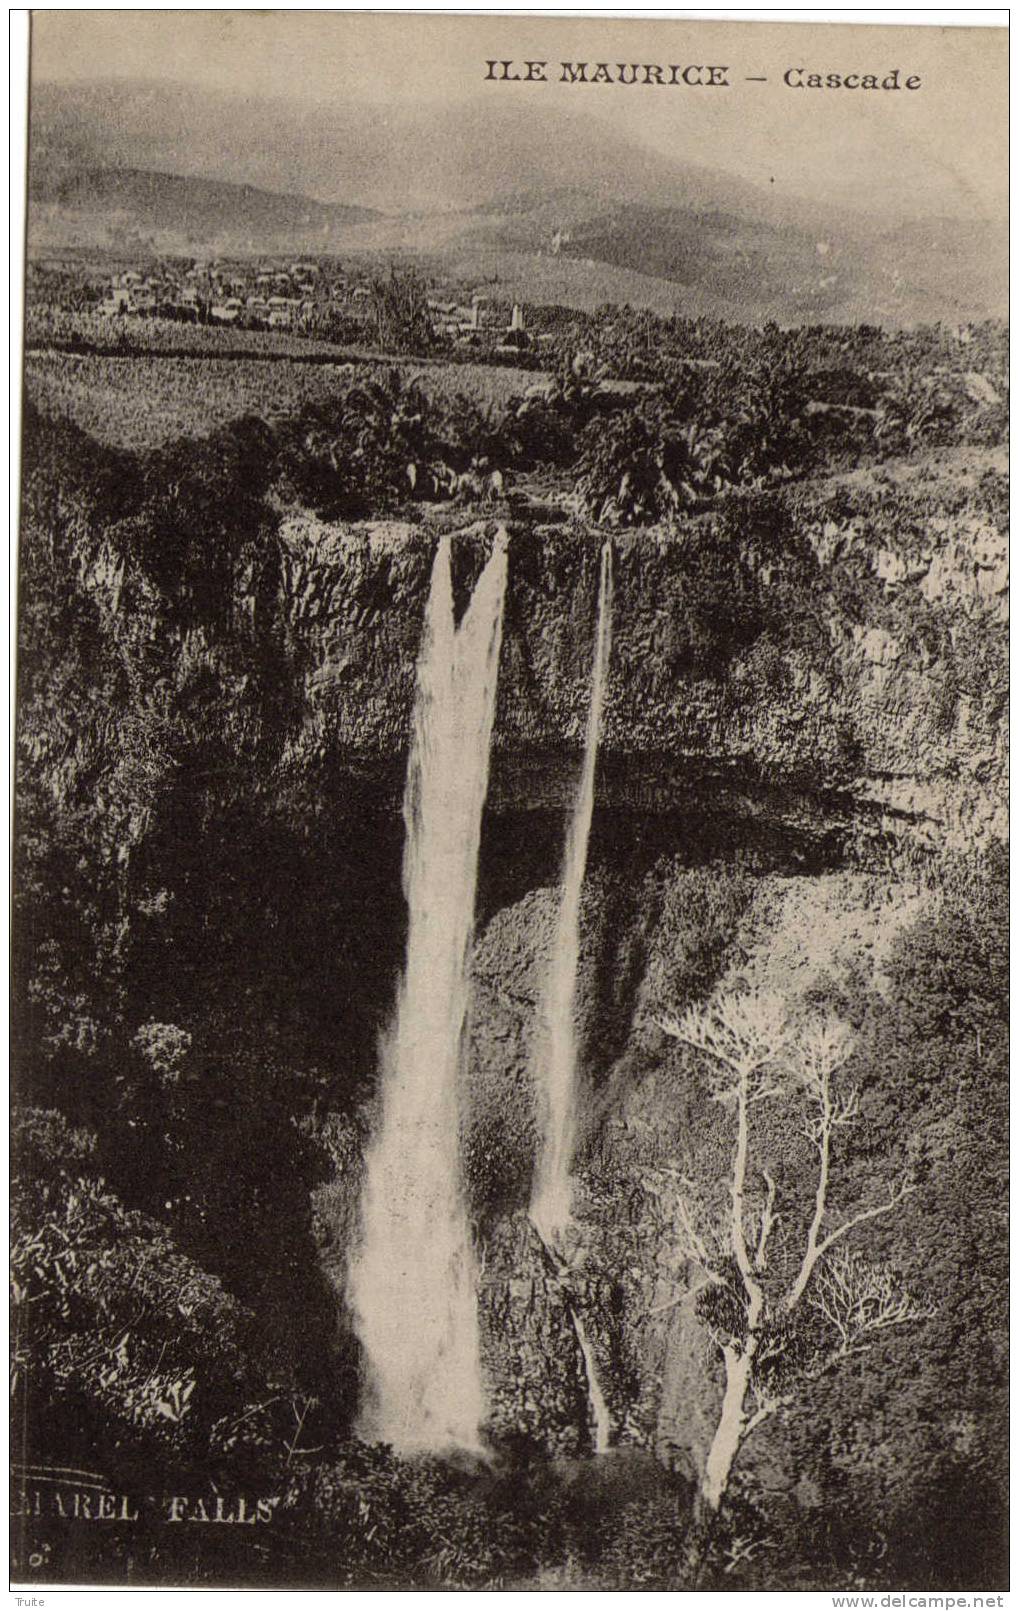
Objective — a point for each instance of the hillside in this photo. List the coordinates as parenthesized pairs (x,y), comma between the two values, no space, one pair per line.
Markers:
(726,264)
(398,157)
(103,206)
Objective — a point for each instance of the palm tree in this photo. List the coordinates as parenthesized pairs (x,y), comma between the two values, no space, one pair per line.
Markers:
(914,409)
(641,465)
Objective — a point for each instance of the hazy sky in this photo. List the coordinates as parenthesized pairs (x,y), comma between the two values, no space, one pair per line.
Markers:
(940,149)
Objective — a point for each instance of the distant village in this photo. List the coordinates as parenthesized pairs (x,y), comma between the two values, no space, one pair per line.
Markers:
(305,297)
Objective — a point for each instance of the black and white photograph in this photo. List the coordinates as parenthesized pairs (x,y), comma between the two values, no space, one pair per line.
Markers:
(509,954)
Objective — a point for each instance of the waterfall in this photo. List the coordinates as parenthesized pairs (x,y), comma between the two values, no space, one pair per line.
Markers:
(551,1192)
(602,1423)
(412,1282)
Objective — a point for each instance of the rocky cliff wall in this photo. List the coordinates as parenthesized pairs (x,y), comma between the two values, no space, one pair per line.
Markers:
(799,647)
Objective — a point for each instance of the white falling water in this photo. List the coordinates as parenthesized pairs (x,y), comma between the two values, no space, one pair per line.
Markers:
(602,1427)
(412,1283)
(551,1191)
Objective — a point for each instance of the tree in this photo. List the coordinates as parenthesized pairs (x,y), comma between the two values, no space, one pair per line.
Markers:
(399,306)
(776,1335)
(640,465)
(363,448)
(762,411)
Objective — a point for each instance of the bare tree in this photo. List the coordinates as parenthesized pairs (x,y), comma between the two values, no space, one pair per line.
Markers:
(755,1056)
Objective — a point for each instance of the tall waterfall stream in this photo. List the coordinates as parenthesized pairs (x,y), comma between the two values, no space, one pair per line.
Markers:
(412,1282)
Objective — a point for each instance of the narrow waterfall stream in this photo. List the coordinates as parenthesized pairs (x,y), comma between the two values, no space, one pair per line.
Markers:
(601,1420)
(412,1282)
(556,1065)
(556,1058)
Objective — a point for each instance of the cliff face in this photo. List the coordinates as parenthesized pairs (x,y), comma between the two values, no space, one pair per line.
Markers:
(670,940)
(802,686)
(808,655)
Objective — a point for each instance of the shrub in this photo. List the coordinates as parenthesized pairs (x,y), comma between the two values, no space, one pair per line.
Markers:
(117,1334)
(647,1547)
(383,1518)
(915,410)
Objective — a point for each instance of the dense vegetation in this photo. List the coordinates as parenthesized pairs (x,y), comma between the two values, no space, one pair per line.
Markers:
(208,924)
(763,416)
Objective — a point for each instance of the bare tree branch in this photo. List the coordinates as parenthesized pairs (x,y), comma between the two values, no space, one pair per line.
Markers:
(824,1048)
(859,1300)
(905,1190)
(691,1292)
(769,1219)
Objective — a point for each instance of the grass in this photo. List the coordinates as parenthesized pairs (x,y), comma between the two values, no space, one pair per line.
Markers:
(141,401)
(48,327)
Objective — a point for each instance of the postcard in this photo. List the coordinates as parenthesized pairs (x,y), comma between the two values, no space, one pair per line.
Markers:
(510,903)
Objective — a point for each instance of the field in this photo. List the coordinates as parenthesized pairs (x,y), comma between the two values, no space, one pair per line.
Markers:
(139,402)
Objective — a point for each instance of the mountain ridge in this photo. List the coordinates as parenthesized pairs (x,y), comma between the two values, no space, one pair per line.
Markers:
(394,157)
(99,203)
(129,164)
